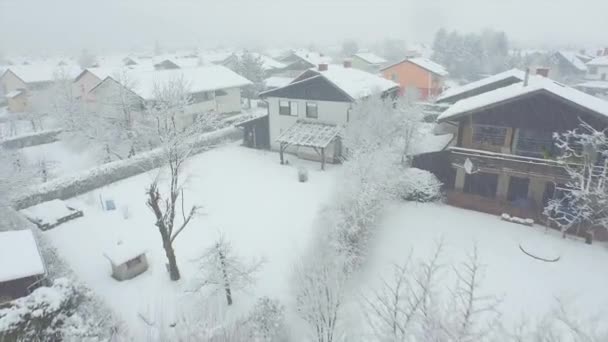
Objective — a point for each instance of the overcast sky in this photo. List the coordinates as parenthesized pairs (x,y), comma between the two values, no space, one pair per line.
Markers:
(48,26)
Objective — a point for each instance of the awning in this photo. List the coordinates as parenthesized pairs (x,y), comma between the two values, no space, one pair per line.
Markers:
(309,134)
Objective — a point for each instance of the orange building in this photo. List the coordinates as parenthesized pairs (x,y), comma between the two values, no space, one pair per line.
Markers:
(418,77)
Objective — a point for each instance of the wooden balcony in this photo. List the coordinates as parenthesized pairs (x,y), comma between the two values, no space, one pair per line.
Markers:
(485,161)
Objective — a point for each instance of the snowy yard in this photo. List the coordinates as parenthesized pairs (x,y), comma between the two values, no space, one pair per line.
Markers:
(257,204)
(61,159)
(264,212)
(528,287)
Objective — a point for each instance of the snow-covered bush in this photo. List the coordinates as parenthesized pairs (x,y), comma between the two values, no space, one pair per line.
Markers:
(417,185)
(40,315)
(266,321)
(302,175)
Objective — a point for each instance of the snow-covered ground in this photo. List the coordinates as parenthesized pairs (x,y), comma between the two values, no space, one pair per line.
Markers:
(61,158)
(263,210)
(257,204)
(528,287)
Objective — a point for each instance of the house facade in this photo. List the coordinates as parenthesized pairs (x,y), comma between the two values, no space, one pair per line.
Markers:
(503,160)
(368,61)
(322,96)
(418,78)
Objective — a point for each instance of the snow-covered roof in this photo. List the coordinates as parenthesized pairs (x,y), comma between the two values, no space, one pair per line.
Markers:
(314,58)
(35,73)
(482,83)
(356,83)
(603,85)
(202,78)
(47,212)
(268,63)
(309,134)
(574,59)
(536,83)
(431,143)
(599,61)
(122,252)
(370,57)
(424,63)
(13,94)
(19,255)
(277,81)
(214,56)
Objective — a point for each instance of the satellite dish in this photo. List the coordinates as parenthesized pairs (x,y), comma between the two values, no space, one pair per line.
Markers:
(469,167)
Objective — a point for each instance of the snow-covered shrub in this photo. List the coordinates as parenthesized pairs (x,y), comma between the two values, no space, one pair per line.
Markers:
(39,316)
(302,175)
(418,185)
(266,321)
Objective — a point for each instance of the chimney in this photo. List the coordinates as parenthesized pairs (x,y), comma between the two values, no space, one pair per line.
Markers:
(348,63)
(323,67)
(606,51)
(544,72)
(527,78)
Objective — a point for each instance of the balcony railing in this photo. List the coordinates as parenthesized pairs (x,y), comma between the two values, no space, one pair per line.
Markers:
(508,163)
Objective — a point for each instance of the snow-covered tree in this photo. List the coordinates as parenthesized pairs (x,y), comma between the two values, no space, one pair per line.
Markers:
(86,59)
(583,201)
(15,174)
(267,321)
(221,267)
(251,67)
(349,48)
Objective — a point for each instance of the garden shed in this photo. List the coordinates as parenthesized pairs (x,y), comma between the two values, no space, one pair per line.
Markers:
(50,214)
(127,261)
(21,266)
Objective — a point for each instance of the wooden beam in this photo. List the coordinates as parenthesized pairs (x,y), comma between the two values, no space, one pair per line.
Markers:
(323,159)
(281,149)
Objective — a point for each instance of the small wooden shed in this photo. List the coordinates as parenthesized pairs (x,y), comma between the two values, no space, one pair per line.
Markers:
(21,266)
(50,214)
(127,261)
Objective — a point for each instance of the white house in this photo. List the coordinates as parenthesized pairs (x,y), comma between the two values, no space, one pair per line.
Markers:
(307,114)
(211,88)
(596,78)
(368,61)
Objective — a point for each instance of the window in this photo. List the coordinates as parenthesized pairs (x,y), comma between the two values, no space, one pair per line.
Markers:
(489,135)
(220,93)
(593,70)
(394,77)
(533,143)
(518,189)
(294,108)
(482,184)
(284,108)
(133,262)
(201,96)
(311,110)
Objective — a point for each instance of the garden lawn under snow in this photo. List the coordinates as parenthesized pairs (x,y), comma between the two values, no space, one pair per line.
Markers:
(256,203)
(528,287)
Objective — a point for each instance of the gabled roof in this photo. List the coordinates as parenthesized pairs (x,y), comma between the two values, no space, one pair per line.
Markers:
(574,59)
(309,133)
(356,84)
(599,61)
(536,84)
(314,58)
(277,81)
(20,256)
(13,94)
(424,63)
(515,75)
(204,78)
(370,57)
(36,73)
(267,62)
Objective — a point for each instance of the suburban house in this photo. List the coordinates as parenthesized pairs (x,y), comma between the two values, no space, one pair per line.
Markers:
(596,79)
(298,61)
(212,89)
(26,85)
(418,78)
(503,156)
(568,66)
(89,78)
(306,116)
(269,65)
(368,61)
(22,268)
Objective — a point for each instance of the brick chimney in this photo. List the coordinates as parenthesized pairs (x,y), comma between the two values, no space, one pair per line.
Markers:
(348,63)
(544,72)
(323,67)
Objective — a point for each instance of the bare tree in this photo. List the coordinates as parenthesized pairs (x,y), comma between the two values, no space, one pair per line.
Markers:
(222,268)
(583,201)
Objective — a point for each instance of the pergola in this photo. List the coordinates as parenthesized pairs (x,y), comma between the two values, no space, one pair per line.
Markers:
(315,135)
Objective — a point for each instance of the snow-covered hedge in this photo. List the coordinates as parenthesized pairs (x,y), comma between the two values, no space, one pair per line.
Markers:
(70,186)
(418,185)
(31,139)
(40,315)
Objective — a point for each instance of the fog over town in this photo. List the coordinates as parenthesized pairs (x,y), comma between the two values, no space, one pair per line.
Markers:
(328,171)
